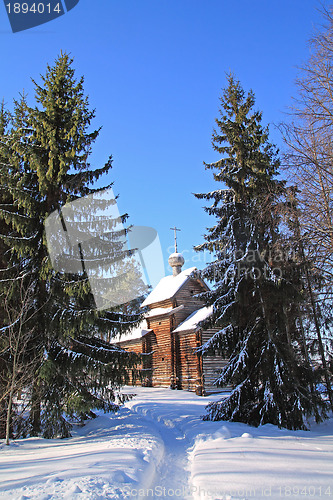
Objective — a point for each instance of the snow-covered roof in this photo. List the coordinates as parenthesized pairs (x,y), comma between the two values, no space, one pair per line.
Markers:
(191,323)
(160,311)
(135,333)
(168,287)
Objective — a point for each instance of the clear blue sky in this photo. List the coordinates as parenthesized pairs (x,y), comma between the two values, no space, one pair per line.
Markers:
(154,70)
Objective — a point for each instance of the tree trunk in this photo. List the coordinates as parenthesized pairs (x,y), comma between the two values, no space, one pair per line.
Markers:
(35,410)
(9,415)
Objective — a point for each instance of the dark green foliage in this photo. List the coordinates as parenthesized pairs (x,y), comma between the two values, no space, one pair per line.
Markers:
(255,300)
(4,260)
(44,165)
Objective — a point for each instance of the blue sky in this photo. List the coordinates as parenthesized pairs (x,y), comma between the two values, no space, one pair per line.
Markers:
(154,70)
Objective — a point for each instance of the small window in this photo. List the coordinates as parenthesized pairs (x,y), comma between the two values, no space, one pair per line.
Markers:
(162,359)
(160,322)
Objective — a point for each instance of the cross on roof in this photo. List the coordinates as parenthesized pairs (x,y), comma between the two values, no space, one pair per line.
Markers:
(175,229)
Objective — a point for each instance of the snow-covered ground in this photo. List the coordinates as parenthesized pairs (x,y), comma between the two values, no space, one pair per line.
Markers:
(157,446)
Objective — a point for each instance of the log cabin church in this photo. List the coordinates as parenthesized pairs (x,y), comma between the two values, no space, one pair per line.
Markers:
(170,334)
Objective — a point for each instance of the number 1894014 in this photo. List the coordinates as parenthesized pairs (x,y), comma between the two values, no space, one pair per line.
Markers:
(35,8)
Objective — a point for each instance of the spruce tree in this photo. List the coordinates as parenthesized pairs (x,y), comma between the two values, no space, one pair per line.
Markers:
(4,119)
(252,272)
(47,167)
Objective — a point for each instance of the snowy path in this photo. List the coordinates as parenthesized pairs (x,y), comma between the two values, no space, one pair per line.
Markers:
(172,475)
(158,447)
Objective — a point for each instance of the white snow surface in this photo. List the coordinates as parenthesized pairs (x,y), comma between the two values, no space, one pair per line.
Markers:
(157,446)
(168,287)
(157,311)
(160,311)
(191,323)
(135,333)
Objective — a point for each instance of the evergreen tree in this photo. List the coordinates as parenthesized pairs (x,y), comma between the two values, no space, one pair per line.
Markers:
(253,294)
(317,318)
(47,167)
(4,118)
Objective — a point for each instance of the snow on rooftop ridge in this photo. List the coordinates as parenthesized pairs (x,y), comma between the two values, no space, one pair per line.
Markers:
(168,287)
(191,323)
(159,311)
(135,333)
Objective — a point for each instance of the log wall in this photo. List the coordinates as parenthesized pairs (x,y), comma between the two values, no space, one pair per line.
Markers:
(186,297)
(134,345)
(187,364)
(212,365)
(161,348)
